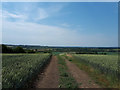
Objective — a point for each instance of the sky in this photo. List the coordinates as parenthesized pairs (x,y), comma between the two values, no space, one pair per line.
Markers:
(85,24)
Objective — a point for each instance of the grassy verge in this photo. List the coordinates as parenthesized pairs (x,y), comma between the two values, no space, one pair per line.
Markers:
(100,78)
(66,80)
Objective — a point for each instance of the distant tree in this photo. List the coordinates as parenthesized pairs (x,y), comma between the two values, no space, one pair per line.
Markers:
(19,50)
(6,49)
(0,48)
(30,51)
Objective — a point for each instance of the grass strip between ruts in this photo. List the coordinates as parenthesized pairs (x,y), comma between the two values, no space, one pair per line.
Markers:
(66,80)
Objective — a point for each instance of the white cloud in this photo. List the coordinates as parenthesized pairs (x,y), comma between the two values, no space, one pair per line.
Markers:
(36,12)
(36,33)
(32,33)
(7,14)
(41,14)
(18,16)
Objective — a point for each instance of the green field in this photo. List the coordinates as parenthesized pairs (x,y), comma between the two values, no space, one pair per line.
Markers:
(110,62)
(106,65)
(17,69)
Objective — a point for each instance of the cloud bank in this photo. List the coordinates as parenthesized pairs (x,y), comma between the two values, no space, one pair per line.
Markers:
(38,34)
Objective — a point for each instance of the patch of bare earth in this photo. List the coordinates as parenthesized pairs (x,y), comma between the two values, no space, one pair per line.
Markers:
(81,77)
(69,55)
(49,78)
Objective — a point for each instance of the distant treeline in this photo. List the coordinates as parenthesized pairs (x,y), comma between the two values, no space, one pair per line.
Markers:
(84,50)
(104,53)
(48,49)
(17,49)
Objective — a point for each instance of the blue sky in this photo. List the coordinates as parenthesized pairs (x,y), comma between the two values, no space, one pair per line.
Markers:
(60,24)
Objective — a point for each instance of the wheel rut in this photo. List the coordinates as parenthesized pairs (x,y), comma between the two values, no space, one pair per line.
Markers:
(50,77)
(81,77)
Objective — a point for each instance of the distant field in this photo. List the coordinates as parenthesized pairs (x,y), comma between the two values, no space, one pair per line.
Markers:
(109,53)
(17,69)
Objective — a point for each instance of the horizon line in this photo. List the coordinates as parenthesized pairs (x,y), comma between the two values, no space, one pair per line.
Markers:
(58,45)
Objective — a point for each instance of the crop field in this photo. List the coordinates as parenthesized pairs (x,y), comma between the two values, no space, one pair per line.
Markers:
(106,64)
(68,70)
(17,69)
